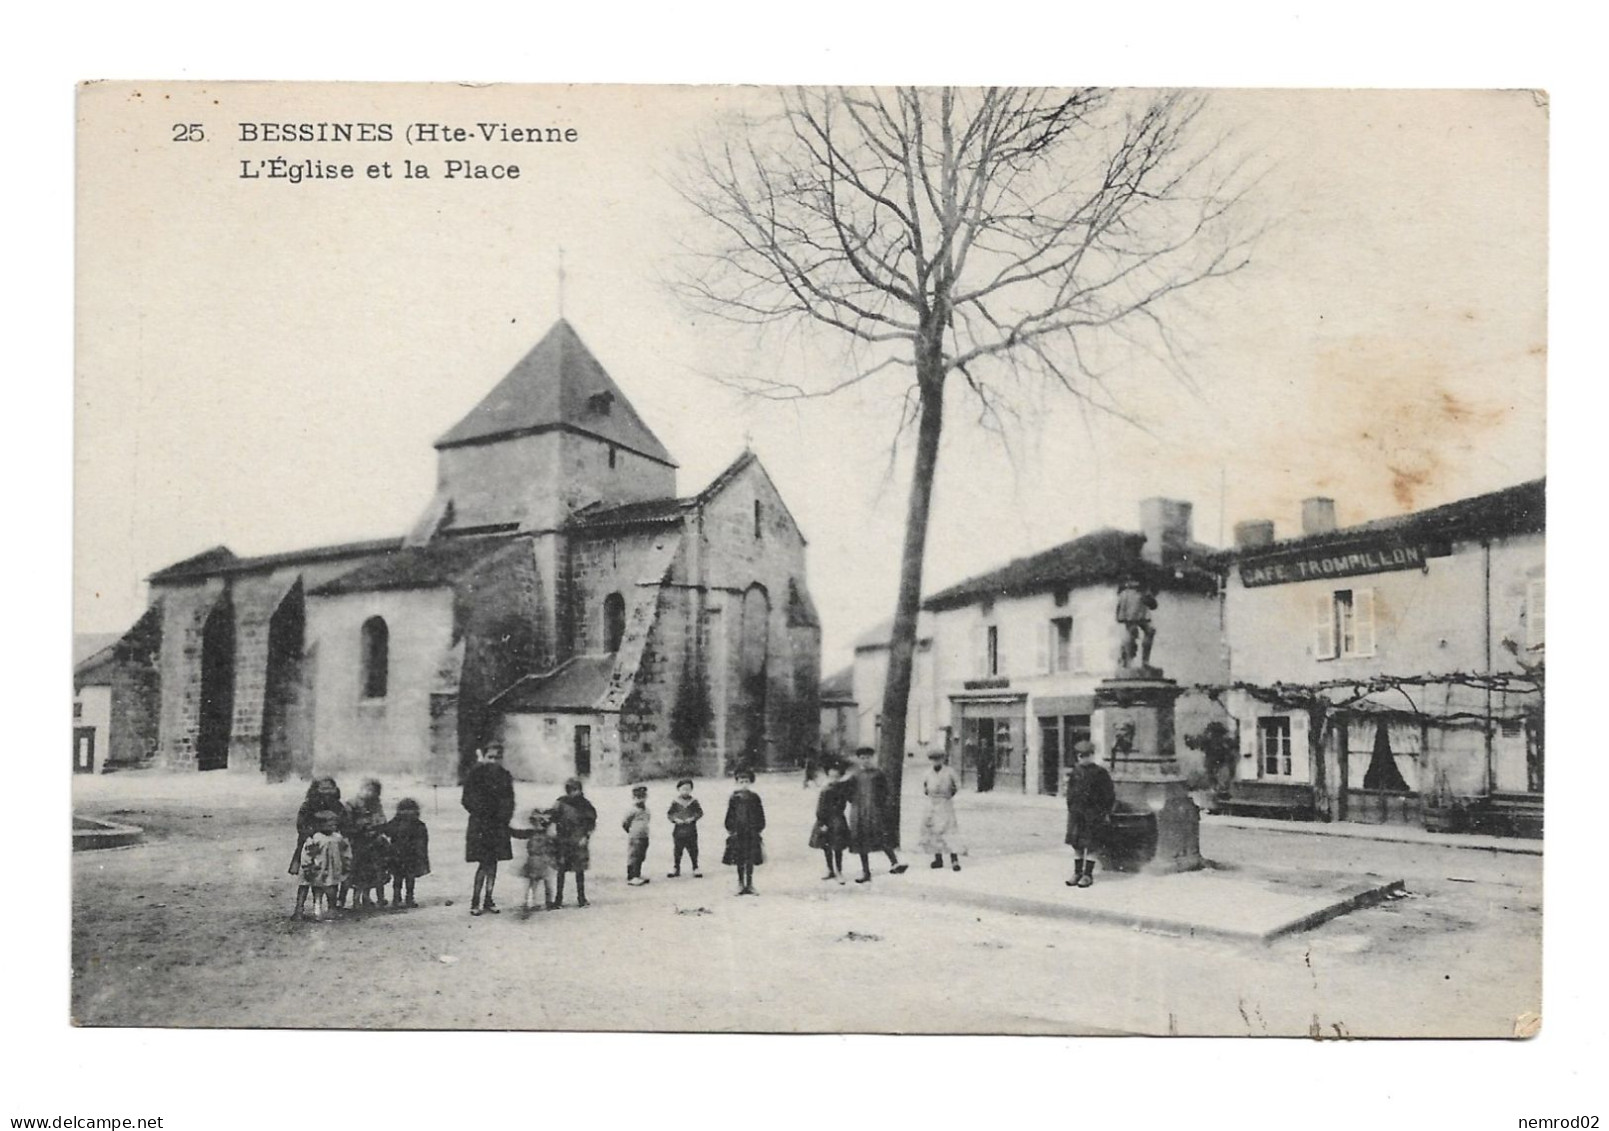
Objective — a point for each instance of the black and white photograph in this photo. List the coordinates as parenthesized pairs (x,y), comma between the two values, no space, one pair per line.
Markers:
(904,560)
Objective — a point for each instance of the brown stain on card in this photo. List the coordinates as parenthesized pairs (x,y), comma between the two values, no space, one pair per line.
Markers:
(1412,425)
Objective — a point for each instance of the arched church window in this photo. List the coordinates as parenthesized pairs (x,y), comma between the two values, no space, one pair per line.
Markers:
(376,657)
(614,621)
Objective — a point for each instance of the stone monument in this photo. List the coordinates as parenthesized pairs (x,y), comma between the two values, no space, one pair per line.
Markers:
(1157,827)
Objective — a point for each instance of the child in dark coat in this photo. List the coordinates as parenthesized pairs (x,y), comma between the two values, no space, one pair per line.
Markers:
(685,812)
(410,851)
(830,833)
(365,829)
(576,818)
(1090,800)
(745,820)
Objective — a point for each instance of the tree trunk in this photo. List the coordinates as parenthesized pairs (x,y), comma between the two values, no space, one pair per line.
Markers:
(902,644)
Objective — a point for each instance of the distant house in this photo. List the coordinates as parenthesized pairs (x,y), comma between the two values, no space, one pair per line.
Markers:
(840,726)
(1414,644)
(1007,661)
(116,696)
(870,677)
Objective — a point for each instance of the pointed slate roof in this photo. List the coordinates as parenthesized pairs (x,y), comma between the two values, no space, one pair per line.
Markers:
(559,384)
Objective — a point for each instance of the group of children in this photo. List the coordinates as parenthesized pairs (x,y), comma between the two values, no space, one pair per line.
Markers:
(350,852)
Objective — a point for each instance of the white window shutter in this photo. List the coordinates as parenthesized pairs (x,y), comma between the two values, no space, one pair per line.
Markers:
(1076,651)
(980,650)
(1002,660)
(1046,638)
(1301,771)
(1535,613)
(1324,626)
(1363,622)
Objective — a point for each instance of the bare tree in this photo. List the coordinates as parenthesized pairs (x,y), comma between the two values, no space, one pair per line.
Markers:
(995,234)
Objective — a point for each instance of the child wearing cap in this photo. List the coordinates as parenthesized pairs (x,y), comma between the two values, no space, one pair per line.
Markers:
(685,813)
(636,828)
(1090,799)
(745,819)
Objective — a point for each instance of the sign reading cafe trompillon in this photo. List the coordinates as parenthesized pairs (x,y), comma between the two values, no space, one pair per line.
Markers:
(1383,556)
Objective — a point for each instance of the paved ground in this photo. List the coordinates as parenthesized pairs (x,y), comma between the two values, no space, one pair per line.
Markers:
(190,928)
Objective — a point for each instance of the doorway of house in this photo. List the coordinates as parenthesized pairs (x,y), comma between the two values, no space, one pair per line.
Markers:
(583,751)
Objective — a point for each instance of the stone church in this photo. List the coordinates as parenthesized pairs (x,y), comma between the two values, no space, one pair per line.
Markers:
(556,595)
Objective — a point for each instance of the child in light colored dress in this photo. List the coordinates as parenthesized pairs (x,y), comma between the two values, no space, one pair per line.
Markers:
(326,864)
(541,858)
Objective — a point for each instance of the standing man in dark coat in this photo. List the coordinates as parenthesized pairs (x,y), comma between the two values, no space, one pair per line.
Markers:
(1090,800)
(871,825)
(489,798)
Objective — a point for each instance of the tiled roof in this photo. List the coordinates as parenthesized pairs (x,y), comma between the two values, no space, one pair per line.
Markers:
(218,561)
(559,384)
(576,685)
(429,566)
(1100,558)
(651,512)
(1521,509)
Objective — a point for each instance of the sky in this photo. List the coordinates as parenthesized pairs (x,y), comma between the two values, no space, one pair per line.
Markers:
(265,365)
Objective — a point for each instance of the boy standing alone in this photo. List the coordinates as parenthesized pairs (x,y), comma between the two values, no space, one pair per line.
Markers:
(685,813)
(636,826)
(1090,800)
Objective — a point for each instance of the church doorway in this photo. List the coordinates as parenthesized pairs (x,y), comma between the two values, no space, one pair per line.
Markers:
(282,685)
(217,687)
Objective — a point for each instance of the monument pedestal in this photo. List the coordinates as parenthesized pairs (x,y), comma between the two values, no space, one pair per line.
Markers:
(1156,827)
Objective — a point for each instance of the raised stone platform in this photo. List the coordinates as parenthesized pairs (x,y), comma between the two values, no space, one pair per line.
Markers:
(89,833)
(1252,906)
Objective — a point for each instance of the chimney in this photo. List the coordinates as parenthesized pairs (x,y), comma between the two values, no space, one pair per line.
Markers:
(1166,526)
(1254,533)
(1318,516)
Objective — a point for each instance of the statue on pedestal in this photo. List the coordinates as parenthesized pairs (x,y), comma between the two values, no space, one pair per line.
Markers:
(1134,607)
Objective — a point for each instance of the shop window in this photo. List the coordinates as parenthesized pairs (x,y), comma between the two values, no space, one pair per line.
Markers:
(1343,624)
(376,657)
(1274,746)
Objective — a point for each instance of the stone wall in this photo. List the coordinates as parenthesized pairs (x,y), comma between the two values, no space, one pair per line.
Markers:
(185,609)
(496,611)
(538,480)
(377,736)
(733,555)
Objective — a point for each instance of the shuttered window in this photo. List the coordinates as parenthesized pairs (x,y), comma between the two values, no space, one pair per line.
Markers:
(1343,624)
(1535,612)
